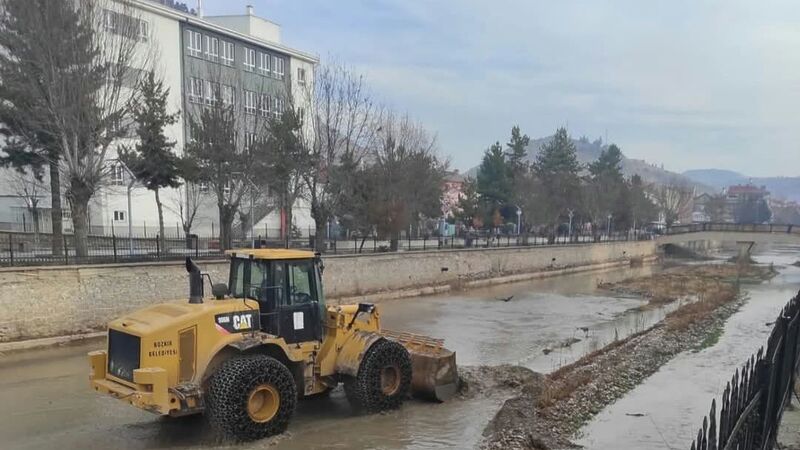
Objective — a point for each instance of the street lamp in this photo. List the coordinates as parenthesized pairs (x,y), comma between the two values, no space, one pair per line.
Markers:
(130,214)
(569,229)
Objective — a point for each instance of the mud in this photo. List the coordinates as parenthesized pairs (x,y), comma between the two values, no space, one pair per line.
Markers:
(546,416)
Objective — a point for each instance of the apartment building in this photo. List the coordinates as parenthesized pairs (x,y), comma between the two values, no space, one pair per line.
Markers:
(235,59)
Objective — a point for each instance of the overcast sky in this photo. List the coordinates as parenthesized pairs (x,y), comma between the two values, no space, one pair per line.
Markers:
(689,84)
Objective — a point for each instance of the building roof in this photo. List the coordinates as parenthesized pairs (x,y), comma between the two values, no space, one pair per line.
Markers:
(155,6)
(271,253)
(747,189)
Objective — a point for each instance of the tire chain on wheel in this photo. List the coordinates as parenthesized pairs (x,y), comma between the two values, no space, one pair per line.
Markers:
(364,391)
(230,388)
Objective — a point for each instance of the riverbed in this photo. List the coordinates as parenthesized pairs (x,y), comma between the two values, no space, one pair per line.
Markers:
(666,410)
(545,324)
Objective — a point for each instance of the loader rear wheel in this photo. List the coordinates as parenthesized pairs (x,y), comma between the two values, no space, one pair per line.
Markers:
(251,397)
(383,380)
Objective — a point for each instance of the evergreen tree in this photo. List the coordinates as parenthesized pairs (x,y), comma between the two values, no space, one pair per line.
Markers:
(606,191)
(516,154)
(468,209)
(556,168)
(151,160)
(494,183)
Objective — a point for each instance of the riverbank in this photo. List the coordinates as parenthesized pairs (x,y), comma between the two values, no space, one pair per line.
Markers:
(546,417)
(43,302)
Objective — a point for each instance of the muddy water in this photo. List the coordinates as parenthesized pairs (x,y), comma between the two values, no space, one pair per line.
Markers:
(666,410)
(45,402)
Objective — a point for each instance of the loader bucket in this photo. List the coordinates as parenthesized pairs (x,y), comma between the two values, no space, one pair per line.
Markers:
(434,371)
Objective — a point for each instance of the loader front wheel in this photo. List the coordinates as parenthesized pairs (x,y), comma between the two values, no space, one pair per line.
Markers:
(383,380)
(251,397)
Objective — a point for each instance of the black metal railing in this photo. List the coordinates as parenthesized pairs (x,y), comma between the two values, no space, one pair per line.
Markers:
(733,227)
(753,401)
(27,249)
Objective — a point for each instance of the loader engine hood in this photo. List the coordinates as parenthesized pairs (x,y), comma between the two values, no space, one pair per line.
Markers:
(168,335)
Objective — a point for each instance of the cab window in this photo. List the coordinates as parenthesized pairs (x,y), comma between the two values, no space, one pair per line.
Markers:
(258,280)
(237,277)
(302,288)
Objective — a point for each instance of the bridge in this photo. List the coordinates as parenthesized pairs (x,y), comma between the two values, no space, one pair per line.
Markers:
(745,235)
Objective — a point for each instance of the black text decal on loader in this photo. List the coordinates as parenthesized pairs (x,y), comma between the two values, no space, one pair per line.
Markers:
(237,322)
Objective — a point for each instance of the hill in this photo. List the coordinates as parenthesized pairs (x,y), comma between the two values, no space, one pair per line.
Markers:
(784,188)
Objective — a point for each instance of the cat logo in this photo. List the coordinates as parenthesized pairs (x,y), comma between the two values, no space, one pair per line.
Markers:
(237,322)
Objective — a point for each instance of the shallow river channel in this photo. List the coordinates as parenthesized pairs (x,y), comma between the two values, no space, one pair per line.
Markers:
(46,402)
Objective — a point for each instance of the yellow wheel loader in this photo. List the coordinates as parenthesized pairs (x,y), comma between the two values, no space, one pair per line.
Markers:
(265,340)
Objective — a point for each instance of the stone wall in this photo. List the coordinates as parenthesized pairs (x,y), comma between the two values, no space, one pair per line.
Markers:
(50,301)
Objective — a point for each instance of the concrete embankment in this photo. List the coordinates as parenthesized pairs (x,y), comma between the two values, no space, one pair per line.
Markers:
(40,302)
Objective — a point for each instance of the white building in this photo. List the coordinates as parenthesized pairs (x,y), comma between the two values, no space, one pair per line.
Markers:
(181,46)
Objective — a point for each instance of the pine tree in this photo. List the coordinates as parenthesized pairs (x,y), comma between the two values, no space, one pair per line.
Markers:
(151,160)
(494,180)
(516,154)
(556,168)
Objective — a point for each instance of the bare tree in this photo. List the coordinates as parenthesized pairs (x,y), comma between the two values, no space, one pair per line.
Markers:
(66,68)
(406,177)
(673,199)
(186,205)
(31,191)
(341,120)
(228,130)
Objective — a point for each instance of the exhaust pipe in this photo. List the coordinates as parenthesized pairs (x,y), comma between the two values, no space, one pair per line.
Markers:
(195,282)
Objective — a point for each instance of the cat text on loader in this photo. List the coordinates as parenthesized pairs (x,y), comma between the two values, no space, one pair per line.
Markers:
(267,339)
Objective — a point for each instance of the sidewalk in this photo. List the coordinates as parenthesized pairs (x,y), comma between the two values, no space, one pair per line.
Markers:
(789,431)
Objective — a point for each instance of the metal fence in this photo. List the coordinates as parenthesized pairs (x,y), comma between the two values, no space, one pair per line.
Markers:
(25,249)
(739,227)
(754,399)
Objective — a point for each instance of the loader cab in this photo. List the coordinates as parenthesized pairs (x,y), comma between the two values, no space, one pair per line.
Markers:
(287,285)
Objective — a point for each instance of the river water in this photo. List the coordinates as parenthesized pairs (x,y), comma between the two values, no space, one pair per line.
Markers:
(666,410)
(46,402)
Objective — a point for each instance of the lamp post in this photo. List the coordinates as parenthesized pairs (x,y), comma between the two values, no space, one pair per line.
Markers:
(608,231)
(130,212)
(519,220)
(569,228)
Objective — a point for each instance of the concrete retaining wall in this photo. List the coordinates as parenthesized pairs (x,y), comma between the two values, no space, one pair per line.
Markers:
(51,301)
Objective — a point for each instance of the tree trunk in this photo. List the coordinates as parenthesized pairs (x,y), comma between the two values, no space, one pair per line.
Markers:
(394,242)
(225,226)
(319,233)
(161,238)
(36,228)
(79,203)
(288,209)
(57,236)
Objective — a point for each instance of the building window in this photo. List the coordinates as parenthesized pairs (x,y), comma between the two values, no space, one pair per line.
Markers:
(249,59)
(226,189)
(119,216)
(195,90)
(125,25)
(212,93)
(264,106)
(118,175)
(277,67)
(228,95)
(203,186)
(249,102)
(301,75)
(144,31)
(227,53)
(263,63)
(194,43)
(277,106)
(249,140)
(212,48)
